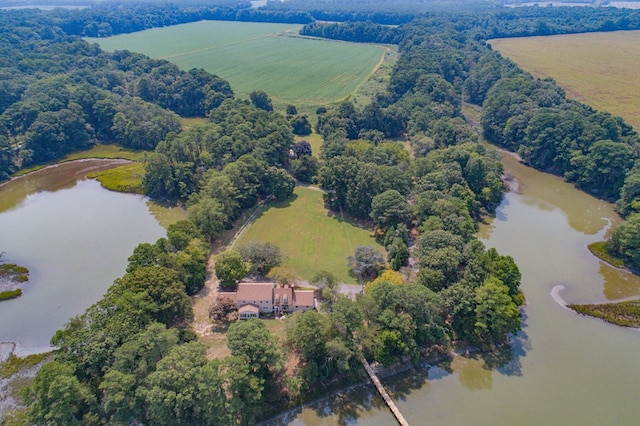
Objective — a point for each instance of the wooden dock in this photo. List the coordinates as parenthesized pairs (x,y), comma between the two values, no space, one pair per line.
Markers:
(383,393)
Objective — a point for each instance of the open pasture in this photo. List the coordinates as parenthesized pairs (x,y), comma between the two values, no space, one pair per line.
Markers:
(599,69)
(255,56)
(311,239)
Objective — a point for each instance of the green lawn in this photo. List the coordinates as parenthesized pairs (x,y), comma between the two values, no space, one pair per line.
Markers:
(311,239)
(257,56)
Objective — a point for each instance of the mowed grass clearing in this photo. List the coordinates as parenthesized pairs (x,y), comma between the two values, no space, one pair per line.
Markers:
(310,238)
(600,69)
(257,56)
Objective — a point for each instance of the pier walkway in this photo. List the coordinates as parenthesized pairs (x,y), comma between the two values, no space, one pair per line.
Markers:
(383,393)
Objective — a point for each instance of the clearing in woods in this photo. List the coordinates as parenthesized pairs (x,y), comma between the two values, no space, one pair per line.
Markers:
(311,238)
(257,56)
(599,69)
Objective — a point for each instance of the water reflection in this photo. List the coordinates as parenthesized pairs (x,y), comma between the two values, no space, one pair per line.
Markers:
(349,407)
(53,178)
(166,215)
(561,368)
(75,238)
(618,283)
(547,192)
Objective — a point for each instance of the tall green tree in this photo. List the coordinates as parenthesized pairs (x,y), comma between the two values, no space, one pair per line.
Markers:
(496,313)
(625,241)
(184,390)
(261,100)
(261,256)
(365,263)
(133,362)
(58,398)
(389,208)
(230,267)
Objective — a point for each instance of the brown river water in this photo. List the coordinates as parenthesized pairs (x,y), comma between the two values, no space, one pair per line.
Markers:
(562,368)
(75,238)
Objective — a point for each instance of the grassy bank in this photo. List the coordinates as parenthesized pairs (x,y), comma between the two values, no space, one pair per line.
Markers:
(127,178)
(626,314)
(598,249)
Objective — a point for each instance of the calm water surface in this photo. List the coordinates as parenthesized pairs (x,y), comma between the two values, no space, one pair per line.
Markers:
(75,238)
(563,369)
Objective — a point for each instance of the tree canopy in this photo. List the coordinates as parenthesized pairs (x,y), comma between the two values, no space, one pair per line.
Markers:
(131,358)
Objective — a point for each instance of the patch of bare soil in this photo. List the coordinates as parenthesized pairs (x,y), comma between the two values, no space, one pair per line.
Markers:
(208,333)
(212,336)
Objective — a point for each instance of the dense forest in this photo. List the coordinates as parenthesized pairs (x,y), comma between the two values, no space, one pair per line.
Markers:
(132,357)
(597,152)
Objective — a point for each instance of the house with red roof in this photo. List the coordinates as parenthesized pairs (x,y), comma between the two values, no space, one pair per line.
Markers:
(255,298)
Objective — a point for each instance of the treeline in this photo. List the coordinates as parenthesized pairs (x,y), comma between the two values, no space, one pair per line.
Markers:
(387,12)
(483,24)
(543,21)
(362,32)
(591,149)
(133,358)
(60,94)
(597,152)
(110,18)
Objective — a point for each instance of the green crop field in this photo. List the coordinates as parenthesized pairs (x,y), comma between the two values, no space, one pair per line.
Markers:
(255,56)
(600,69)
(309,237)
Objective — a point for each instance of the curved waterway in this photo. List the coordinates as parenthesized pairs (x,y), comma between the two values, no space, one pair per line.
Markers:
(563,368)
(75,238)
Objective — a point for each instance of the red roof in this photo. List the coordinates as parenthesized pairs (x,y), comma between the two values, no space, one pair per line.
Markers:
(279,294)
(304,298)
(249,307)
(255,291)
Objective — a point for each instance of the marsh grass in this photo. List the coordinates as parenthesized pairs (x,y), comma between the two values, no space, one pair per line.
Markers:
(626,314)
(15,364)
(106,151)
(126,178)
(599,250)
(10,294)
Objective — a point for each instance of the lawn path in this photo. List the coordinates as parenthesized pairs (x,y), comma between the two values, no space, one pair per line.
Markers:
(203,300)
